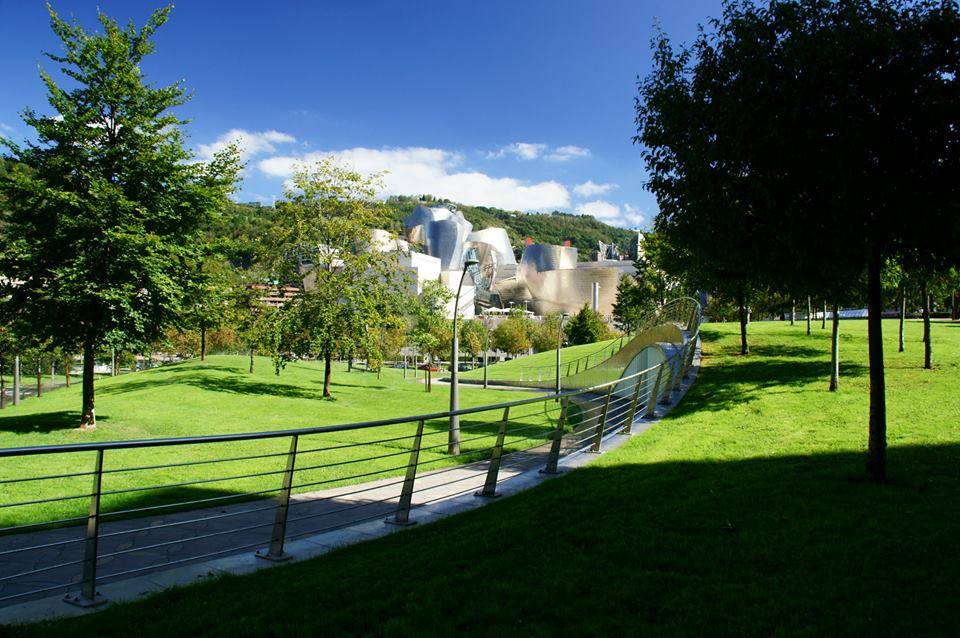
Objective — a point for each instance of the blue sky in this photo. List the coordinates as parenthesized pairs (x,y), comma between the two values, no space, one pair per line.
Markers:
(517,104)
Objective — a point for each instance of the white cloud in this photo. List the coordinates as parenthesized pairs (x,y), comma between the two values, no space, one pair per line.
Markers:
(532,151)
(589,188)
(418,170)
(523,150)
(627,217)
(250,143)
(564,153)
(6,128)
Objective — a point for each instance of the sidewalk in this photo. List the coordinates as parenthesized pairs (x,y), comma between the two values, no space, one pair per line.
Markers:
(178,548)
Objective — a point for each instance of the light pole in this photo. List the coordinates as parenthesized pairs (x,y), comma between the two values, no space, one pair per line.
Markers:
(453,445)
(559,343)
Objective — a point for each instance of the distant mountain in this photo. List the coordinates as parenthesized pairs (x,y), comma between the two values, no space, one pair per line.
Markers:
(583,231)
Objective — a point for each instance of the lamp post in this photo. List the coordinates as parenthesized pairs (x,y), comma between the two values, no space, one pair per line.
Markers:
(453,444)
(486,350)
(559,343)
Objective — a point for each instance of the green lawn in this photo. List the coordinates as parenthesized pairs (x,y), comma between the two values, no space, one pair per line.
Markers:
(742,513)
(544,363)
(219,396)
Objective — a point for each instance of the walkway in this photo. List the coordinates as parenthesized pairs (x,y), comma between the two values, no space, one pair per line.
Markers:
(178,548)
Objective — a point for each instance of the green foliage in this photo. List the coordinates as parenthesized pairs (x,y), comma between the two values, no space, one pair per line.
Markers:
(321,241)
(583,231)
(106,207)
(473,337)
(544,334)
(512,335)
(587,326)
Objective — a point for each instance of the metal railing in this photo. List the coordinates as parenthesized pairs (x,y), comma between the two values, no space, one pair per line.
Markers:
(85,514)
(679,311)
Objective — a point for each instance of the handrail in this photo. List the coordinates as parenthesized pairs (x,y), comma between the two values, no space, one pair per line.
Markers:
(646,322)
(571,421)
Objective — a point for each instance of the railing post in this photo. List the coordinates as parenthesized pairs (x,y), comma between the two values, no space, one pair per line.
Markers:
(490,486)
(88,595)
(602,420)
(279,533)
(402,515)
(554,457)
(678,368)
(633,405)
(689,361)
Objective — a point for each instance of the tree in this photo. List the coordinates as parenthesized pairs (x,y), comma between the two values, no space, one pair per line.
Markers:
(823,122)
(544,334)
(432,331)
(321,242)
(473,337)
(512,335)
(106,206)
(586,327)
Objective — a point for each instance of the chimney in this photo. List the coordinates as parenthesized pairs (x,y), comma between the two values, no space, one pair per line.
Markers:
(596,296)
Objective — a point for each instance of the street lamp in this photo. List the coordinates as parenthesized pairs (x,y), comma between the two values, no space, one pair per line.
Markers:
(453,444)
(559,343)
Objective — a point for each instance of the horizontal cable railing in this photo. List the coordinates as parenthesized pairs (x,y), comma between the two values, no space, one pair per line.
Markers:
(681,311)
(73,517)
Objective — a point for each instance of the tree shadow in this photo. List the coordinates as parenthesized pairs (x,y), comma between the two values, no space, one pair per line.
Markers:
(43,422)
(753,547)
(721,387)
(237,384)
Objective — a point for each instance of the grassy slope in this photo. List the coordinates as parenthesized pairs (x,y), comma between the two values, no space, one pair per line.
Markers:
(512,369)
(742,513)
(212,397)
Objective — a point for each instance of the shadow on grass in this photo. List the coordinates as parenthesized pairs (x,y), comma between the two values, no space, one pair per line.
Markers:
(758,547)
(41,422)
(237,384)
(721,387)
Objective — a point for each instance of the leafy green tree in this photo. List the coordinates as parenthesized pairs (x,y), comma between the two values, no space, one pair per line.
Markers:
(512,335)
(321,241)
(473,337)
(587,327)
(793,137)
(106,205)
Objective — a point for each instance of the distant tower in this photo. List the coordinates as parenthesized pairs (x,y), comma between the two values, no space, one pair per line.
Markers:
(595,297)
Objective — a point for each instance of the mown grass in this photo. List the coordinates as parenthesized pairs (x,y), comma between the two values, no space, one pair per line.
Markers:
(743,513)
(542,364)
(218,396)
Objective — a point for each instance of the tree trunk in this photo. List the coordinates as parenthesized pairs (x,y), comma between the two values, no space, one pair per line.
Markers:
(809,312)
(67,363)
(877,449)
(823,322)
(835,350)
(744,345)
(251,360)
(927,347)
(793,311)
(902,296)
(327,365)
(3,388)
(203,340)
(39,377)
(88,419)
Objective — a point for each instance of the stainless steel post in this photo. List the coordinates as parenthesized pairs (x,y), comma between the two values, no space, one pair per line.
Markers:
(88,595)
(602,421)
(490,485)
(279,533)
(402,515)
(633,404)
(554,456)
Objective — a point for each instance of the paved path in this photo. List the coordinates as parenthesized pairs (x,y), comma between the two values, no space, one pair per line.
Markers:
(144,550)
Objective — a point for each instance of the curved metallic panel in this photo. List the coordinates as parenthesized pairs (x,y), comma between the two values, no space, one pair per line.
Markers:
(442,232)
(542,257)
(497,240)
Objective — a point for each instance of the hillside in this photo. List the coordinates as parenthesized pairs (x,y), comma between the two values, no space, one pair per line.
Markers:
(244,224)
(583,231)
